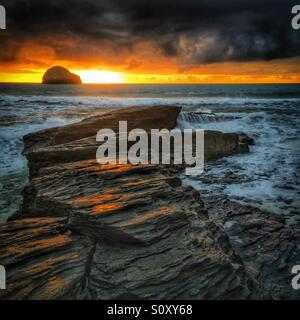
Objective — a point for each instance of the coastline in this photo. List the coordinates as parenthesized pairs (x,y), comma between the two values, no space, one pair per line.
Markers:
(87,231)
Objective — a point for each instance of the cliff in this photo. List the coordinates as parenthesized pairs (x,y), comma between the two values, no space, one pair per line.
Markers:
(90,231)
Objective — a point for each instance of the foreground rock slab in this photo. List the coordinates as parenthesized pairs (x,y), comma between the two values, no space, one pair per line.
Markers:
(90,231)
(123,232)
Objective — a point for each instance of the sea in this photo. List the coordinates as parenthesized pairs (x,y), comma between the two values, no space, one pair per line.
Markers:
(267,177)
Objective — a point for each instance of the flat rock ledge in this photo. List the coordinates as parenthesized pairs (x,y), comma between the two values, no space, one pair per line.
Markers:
(90,231)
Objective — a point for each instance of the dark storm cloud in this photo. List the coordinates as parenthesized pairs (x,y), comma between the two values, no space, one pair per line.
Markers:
(195,31)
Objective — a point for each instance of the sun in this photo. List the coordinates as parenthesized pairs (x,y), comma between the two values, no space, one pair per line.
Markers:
(96,76)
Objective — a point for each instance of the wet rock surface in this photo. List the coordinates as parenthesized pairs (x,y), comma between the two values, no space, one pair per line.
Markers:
(91,231)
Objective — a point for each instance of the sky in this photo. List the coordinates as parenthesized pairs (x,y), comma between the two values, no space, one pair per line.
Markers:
(157,41)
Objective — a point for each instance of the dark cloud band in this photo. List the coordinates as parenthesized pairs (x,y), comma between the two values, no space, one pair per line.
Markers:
(194,31)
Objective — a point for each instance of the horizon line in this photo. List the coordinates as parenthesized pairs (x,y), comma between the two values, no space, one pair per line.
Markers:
(159,83)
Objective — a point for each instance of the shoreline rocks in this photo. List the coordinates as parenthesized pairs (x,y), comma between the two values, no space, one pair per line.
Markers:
(91,231)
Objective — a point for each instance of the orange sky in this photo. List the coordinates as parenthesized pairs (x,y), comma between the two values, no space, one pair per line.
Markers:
(158,41)
(143,64)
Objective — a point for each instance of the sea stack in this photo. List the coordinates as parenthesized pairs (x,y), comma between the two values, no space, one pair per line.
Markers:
(60,75)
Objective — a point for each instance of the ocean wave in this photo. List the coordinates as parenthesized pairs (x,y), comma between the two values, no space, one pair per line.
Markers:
(129,101)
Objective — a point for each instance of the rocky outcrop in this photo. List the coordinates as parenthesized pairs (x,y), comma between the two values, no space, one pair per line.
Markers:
(128,219)
(91,231)
(77,141)
(60,75)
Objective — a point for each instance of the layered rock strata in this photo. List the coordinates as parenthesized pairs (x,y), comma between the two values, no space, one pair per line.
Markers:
(91,231)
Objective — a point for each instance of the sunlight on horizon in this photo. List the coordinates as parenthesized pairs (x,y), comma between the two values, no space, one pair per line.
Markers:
(96,76)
